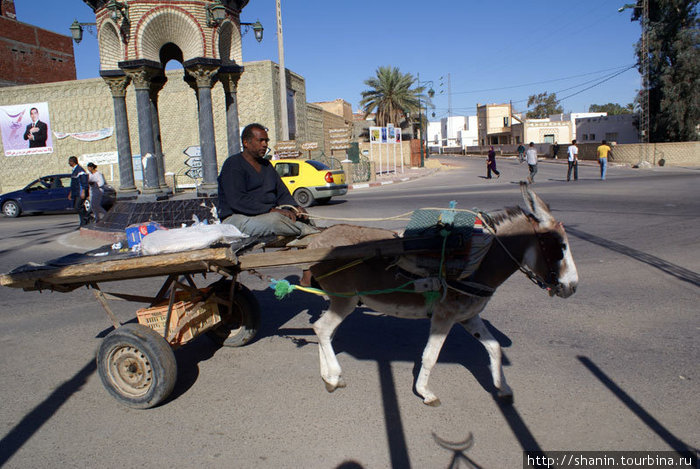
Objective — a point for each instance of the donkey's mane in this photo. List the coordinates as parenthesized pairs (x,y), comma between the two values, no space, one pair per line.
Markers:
(504,215)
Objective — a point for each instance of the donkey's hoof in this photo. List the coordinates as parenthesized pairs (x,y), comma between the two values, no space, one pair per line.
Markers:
(330,387)
(432,401)
(341,383)
(505,397)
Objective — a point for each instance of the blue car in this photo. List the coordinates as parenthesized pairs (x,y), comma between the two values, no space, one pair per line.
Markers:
(46,194)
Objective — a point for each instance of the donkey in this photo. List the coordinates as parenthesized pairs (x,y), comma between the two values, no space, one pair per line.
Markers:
(529,240)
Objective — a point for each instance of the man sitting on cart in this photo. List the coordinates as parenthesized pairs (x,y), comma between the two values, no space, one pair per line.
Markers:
(252,196)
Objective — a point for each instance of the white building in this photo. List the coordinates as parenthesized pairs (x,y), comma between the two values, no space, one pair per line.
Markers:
(571,117)
(619,129)
(453,132)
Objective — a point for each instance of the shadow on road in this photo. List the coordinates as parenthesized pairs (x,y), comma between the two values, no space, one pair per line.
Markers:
(632,405)
(671,269)
(41,414)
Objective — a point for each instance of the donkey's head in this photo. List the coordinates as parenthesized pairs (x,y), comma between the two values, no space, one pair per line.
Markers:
(550,257)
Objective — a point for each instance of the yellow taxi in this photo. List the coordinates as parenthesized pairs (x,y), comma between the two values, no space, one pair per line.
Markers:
(310,181)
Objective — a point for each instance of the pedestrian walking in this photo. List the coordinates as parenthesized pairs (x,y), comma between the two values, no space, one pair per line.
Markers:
(603,151)
(531,157)
(78,190)
(491,164)
(555,150)
(573,161)
(521,153)
(96,181)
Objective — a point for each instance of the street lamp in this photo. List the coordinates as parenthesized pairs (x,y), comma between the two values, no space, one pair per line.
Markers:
(216,13)
(76,30)
(431,93)
(257,29)
(118,9)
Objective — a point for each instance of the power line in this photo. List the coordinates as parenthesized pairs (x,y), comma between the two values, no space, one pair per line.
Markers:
(540,82)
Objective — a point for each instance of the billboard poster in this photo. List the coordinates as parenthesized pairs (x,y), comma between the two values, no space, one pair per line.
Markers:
(374,134)
(383,134)
(26,129)
(392,133)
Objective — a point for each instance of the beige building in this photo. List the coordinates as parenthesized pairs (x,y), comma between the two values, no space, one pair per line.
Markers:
(87,105)
(339,107)
(547,131)
(495,122)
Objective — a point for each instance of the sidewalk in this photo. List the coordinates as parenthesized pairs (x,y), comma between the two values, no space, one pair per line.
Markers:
(391,178)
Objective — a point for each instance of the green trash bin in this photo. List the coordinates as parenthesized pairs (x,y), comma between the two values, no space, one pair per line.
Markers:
(354,152)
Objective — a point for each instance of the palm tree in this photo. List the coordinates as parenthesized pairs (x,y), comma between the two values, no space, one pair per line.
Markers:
(391,96)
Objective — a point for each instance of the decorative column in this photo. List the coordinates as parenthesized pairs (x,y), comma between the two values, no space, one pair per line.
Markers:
(203,71)
(118,82)
(141,74)
(157,84)
(229,76)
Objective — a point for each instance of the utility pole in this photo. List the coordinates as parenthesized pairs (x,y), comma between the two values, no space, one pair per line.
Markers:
(644,108)
(283,76)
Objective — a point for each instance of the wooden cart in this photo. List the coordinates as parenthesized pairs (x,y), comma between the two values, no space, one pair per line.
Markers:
(136,362)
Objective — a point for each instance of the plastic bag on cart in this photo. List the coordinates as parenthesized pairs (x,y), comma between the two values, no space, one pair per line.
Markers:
(198,236)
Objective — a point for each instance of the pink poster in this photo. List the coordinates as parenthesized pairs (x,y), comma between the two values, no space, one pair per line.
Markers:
(26,129)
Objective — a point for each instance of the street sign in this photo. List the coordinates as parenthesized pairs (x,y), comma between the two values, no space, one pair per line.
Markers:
(194,173)
(194,162)
(193,151)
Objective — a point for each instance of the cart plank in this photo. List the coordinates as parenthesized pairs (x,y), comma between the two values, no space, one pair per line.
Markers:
(122,269)
(69,277)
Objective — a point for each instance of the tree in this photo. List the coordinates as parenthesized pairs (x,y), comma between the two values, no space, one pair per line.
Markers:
(392,96)
(545,105)
(613,109)
(674,68)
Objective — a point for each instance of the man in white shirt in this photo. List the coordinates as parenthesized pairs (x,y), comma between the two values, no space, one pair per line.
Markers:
(531,157)
(573,161)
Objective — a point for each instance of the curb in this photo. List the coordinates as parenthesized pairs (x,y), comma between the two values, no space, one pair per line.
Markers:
(365,185)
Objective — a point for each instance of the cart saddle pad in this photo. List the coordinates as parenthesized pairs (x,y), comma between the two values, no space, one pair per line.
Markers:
(466,243)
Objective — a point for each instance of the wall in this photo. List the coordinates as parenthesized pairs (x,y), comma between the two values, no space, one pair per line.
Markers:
(83,105)
(672,154)
(30,55)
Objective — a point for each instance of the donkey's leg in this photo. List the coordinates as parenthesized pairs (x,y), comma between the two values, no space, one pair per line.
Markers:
(439,328)
(476,327)
(325,328)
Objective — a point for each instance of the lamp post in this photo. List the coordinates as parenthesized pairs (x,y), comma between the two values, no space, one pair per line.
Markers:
(284,121)
(431,93)
(257,29)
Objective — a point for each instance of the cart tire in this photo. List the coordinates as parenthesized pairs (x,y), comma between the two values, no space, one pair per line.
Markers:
(137,366)
(239,327)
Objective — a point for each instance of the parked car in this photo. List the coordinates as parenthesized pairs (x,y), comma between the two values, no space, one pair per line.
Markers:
(310,181)
(47,194)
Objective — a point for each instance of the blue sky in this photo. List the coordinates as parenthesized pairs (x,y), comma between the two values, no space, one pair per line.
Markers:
(493,51)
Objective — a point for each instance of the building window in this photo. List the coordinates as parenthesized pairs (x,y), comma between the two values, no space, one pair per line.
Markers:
(291,114)
(549,138)
(591,137)
(585,137)
(611,136)
(505,121)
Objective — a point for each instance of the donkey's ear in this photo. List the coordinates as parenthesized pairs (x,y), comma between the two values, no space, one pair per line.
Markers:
(537,206)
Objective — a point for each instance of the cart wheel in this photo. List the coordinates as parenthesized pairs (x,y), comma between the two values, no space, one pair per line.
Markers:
(137,366)
(240,326)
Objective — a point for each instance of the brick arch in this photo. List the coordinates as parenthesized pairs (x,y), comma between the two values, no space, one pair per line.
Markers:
(111,52)
(227,42)
(169,24)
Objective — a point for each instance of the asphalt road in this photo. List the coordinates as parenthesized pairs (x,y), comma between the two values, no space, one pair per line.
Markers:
(615,367)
